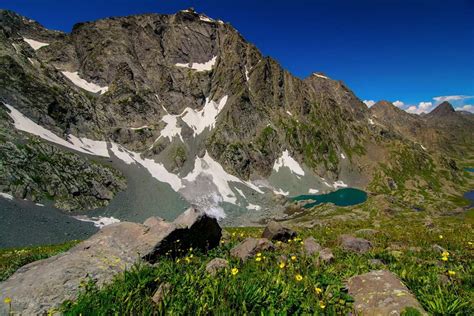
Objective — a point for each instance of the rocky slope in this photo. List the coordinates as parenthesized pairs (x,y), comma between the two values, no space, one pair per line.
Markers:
(188,99)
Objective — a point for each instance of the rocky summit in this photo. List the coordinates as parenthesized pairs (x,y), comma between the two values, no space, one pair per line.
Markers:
(148,133)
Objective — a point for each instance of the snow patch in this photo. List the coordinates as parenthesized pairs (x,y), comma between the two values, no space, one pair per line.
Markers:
(339,184)
(156,169)
(281,192)
(254,207)
(320,76)
(206,117)
(84,145)
(207,66)
(313,191)
(6,196)
(211,168)
(35,44)
(39,204)
(343,156)
(99,222)
(240,192)
(289,113)
(81,83)
(139,128)
(205,18)
(287,161)
(247,74)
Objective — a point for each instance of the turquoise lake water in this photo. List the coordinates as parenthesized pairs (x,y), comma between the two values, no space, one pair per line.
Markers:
(341,197)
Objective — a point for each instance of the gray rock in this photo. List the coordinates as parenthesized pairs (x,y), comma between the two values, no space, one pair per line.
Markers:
(438,248)
(215,265)
(250,247)
(376,262)
(326,255)
(45,284)
(161,292)
(311,246)
(351,243)
(276,231)
(380,293)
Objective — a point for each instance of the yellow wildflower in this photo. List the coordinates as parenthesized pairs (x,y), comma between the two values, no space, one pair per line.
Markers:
(191,255)
(293,258)
(282,265)
(258,259)
(298,277)
(322,305)
(301,242)
(191,249)
(278,243)
(234,271)
(445,254)
(178,260)
(7,300)
(188,260)
(451,273)
(444,258)
(259,254)
(222,241)
(319,290)
(440,236)
(241,234)
(470,243)
(233,234)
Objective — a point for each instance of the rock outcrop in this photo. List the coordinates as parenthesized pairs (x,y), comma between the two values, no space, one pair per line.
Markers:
(381,293)
(276,231)
(41,285)
(250,247)
(351,243)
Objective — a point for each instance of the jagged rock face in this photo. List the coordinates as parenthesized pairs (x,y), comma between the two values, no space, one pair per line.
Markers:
(137,57)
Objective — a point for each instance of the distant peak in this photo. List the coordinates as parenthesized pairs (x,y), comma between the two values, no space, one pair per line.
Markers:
(384,103)
(444,108)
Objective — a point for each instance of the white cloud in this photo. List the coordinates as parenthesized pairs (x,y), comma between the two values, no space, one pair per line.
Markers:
(398,103)
(467,107)
(369,103)
(420,108)
(452,98)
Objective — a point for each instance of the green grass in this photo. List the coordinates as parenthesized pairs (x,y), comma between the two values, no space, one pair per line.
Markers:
(403,244)
(12,259)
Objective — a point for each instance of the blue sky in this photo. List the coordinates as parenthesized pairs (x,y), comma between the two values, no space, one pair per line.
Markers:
(410,51)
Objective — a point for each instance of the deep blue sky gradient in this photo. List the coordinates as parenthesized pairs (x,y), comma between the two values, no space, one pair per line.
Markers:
(383,49)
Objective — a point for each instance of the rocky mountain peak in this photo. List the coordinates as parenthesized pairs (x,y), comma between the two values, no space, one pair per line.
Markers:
(443,109)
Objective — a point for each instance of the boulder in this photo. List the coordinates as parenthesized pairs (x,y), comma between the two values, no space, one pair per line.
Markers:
(215,265)
(192,229)
(351,243)
(276,231)
(161,292)
(250,247)
(39,286)
(326,255)
(381,293)
(311,246)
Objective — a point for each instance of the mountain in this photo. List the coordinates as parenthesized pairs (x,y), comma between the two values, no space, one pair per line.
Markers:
(211,119)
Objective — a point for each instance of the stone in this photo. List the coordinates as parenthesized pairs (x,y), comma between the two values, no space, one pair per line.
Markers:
(438,248)
(192,229)
(45,284)
(380,292)
(311,246)
(152,221)
(326,255)
(215,265)
(276,231)
(376,262)
(358,245)
(161,292)
(250,247)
